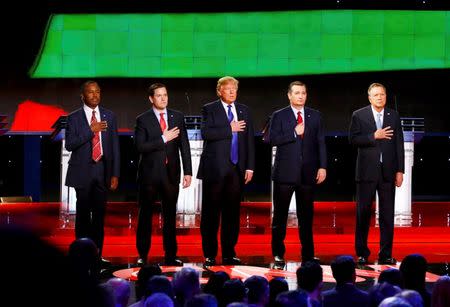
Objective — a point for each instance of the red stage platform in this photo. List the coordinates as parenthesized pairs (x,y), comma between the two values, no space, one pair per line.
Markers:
(334,223)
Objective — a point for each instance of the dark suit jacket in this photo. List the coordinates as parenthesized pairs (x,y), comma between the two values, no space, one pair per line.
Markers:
(362,129)
(216,133)
(345,295)
(153,151)
(297,159)
(79,141)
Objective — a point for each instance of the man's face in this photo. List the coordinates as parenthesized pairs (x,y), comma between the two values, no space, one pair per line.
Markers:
(91,95)
(297,96)
(160,99)
(228,92)
(377,98)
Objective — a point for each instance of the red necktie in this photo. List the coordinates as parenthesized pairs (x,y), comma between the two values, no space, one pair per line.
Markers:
(300,121)
(96,146)
(162,122)
(163,125)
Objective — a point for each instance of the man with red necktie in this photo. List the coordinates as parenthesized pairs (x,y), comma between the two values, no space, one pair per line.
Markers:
(160,138)
(94,166)
(300,163)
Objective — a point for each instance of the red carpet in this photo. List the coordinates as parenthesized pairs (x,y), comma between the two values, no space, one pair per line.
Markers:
(334,222)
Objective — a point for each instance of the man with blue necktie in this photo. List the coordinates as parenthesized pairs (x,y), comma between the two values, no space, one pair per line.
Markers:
(377,134)
(227,162)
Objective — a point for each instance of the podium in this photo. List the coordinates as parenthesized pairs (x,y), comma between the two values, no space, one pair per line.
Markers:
(68,197)
(190,199)
(413,130)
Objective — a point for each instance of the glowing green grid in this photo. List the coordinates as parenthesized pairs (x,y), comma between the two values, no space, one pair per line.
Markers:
(242,44)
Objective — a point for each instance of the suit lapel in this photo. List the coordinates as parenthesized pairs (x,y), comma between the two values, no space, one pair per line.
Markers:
(221,111)
(387,121)
(291,119)
(103,117)
(170,119)
(153,120)
(370,118)
(239,111)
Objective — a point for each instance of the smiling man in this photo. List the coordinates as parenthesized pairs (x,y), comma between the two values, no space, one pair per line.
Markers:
(377,134)
(300,164)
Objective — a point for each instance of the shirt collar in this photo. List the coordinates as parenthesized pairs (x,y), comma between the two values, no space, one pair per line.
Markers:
(225,105)
(302,110)
(375,112)
(157,112)
(89,110)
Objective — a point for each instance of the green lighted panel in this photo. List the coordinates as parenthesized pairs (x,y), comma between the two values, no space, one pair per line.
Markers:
(242,44)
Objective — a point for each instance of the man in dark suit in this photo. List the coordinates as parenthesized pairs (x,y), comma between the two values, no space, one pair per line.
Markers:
(345,293)
(377,133)
(300,163)
(160,137)
(227,162)
(94,165)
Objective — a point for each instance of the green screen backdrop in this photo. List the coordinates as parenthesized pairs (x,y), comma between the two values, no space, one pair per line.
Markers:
(242,44)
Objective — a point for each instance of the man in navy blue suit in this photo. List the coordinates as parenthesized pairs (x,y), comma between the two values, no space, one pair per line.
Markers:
(94,165)
(300,163)
(227,163)
(160,138)
(377,134)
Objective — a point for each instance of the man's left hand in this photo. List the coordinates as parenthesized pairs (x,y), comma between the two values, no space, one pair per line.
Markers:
(187,181)
(114,183)
(248,176)
(398,179)
(321,175)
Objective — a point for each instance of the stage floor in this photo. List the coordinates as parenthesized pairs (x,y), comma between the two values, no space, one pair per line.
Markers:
(334,223)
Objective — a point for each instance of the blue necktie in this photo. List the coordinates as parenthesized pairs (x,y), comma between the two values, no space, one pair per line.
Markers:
(379,126)
(234,139)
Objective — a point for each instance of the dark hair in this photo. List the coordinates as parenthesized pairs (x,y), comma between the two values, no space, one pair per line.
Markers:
(277,285)
(144,275)
(258,289)
(152,88)
(299,83)
(414,268)
(85,84)
(309,276)
(343,268)
(392,276)
(233,291)
(294,298)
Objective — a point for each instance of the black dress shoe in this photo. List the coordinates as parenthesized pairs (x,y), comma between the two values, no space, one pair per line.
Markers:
(104,262)
(279,263)
(389,260)
(141,261)
(362,260)
(209,262)
(173,261)
(231,261)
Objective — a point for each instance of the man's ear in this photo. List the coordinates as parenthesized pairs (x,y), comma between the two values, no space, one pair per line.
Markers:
(150,98)
(82,97)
